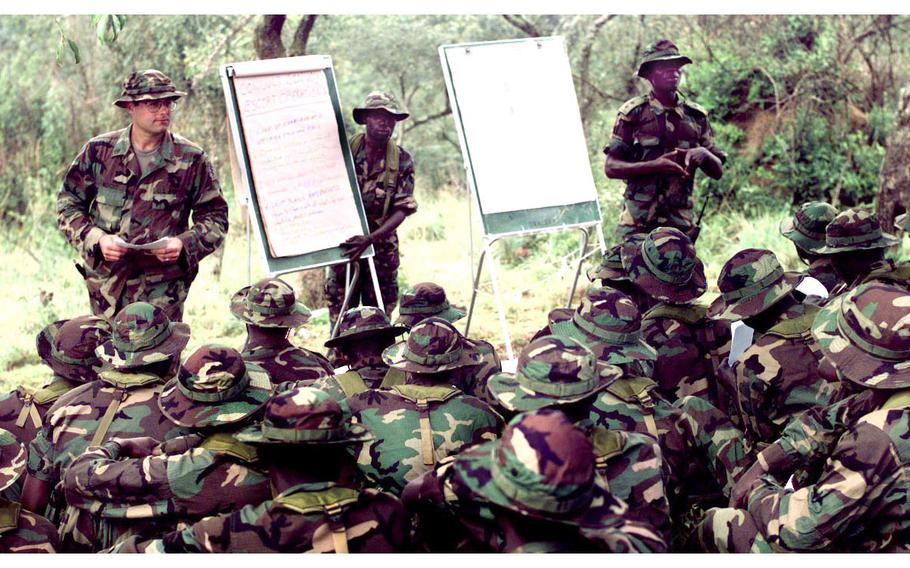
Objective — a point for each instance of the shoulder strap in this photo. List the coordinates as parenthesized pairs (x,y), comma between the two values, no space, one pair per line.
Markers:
(632,104)
(637,390)
(28,409)
(436,393)
(688,313)
(393,377)
(607,443)
(356,142)
(226,444)
(53,391)
(331,502)
(897,400)
(390,177)
(9,515)
(351,383)
(797,326)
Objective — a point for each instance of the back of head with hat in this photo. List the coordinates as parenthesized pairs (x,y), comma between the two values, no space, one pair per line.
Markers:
(664,265)
(362,322)
(610,267)
(143,335)
(424,300)
(751,282)
(662,50)
(12,459)
(854,230)
(379,100)
(433,346)
(807,227)
(147,85)
(68,346)
(270,302)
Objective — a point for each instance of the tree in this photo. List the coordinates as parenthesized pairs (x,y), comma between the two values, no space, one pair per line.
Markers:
(894,179)
(268,42)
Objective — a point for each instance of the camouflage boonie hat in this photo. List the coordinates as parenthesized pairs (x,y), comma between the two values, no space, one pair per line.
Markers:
(148,85)
(807,227)
(902,222)
(855,230)
(306,416)
(12,459)
(610,268)
(68,346)
(662,50)
(214,387)
(271,302)
(551,370)
(609,323)
(142,335)
(424,300)
(433,346)
(542,466)
(379,100)
(866,335)
(751,282)
(361,322)
(664,265)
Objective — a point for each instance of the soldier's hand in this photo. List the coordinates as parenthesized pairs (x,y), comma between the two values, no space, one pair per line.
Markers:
(668,164)
(137,447)
(696,157)
(111,251)
(739,496)
(170,252)
(355,246)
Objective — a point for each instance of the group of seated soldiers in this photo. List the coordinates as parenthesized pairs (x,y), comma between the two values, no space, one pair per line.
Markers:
(631,423)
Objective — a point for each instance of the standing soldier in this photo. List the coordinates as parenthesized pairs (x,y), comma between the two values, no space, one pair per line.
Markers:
(807,231)
(139,185)
(270,310)
(658,142)
(385,173)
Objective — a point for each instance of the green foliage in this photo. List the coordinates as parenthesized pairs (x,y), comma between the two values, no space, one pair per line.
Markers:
(107,28)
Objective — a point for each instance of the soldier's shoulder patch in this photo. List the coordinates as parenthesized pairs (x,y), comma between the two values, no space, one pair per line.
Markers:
(186,146)
(696,107)
(632,104)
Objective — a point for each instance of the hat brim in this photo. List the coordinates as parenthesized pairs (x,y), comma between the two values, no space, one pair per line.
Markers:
(853,363)
(76,373)
(298,315)
(612,353)
(360,112)
(506,389)
(166,350)
(12,465)
(354,434)
(634,264)
(450,314)
(885,241)
(393,356)
(681,58)
(902,222)
(121,101)
(183,411)
(747,308)
(788,229)
(392,331)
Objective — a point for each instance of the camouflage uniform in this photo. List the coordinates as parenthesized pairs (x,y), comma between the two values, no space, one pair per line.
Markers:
(358,324)
(807,231)
(314,516)
(105,192)
(612,274)
(778,375)
(384,189)
(186,478)
(689,344)
(122,403)
(68,348)
(271,303)
(645,130)
(418,423)
(533,490)
(20,531)
(859,501)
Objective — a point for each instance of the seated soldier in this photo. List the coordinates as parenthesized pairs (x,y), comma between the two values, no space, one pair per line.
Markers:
(68,348)
(363,334)
(561,373)
(612,274)
(20,530)
(778,375)
(856,245)
(807,231)
(418,423)
(427,299)
(859,500)
(690,346)
(141,355)
(318,504)
(270,309)
(533,490)
(138,486)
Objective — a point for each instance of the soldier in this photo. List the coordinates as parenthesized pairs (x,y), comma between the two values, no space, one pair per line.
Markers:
(559,373)
(428,299)
(270,309)
(778,375)
(533,490)
(612,274)
(320,505)
(807,231)
(689,345)
(858,502)
(143,487)
(658,142)
(856,245)
(68,348)
(363,334)
(20,531)
(139,185)
(141,355)
(418,423)
(385,173)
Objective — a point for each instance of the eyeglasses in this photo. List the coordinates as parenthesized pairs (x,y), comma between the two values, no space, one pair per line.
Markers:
(159,104)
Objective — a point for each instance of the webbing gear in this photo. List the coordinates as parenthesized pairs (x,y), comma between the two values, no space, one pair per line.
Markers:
(389,177)
(636,389)
(393,377)
(108,418)
(426,433)
(28,410)
(687,313)
(897,400)
(336,525)
(224,443)
(9,515)
(796,327)
(332,502)
(351,383)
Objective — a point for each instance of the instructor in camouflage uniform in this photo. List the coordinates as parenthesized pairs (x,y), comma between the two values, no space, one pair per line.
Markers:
(385,173)
(658,142)
(139,185)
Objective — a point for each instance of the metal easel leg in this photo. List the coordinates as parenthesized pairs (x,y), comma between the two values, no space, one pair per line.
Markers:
(467,327)
(249,244)
(350,283)
(499,307)
(375,283)
(582,252)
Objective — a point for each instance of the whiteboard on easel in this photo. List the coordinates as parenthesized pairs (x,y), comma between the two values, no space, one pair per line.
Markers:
(521,133)
(286,123)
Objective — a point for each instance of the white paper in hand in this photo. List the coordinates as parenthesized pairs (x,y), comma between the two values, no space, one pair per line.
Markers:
(154,245)
(742,340)
(812,287)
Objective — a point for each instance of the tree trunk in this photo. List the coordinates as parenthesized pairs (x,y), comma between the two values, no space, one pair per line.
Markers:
(894,177)
(267,40)
(302,36)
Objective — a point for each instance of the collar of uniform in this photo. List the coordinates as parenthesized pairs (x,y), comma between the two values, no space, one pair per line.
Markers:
(659,107)
(122,146)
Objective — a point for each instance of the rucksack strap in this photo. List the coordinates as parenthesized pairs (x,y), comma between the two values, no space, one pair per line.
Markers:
(105,423)
(393,377)
(389,176)
(351,383)
(426,433)
(28,410)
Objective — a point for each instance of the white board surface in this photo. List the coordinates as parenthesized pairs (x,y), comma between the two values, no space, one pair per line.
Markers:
(521,128)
